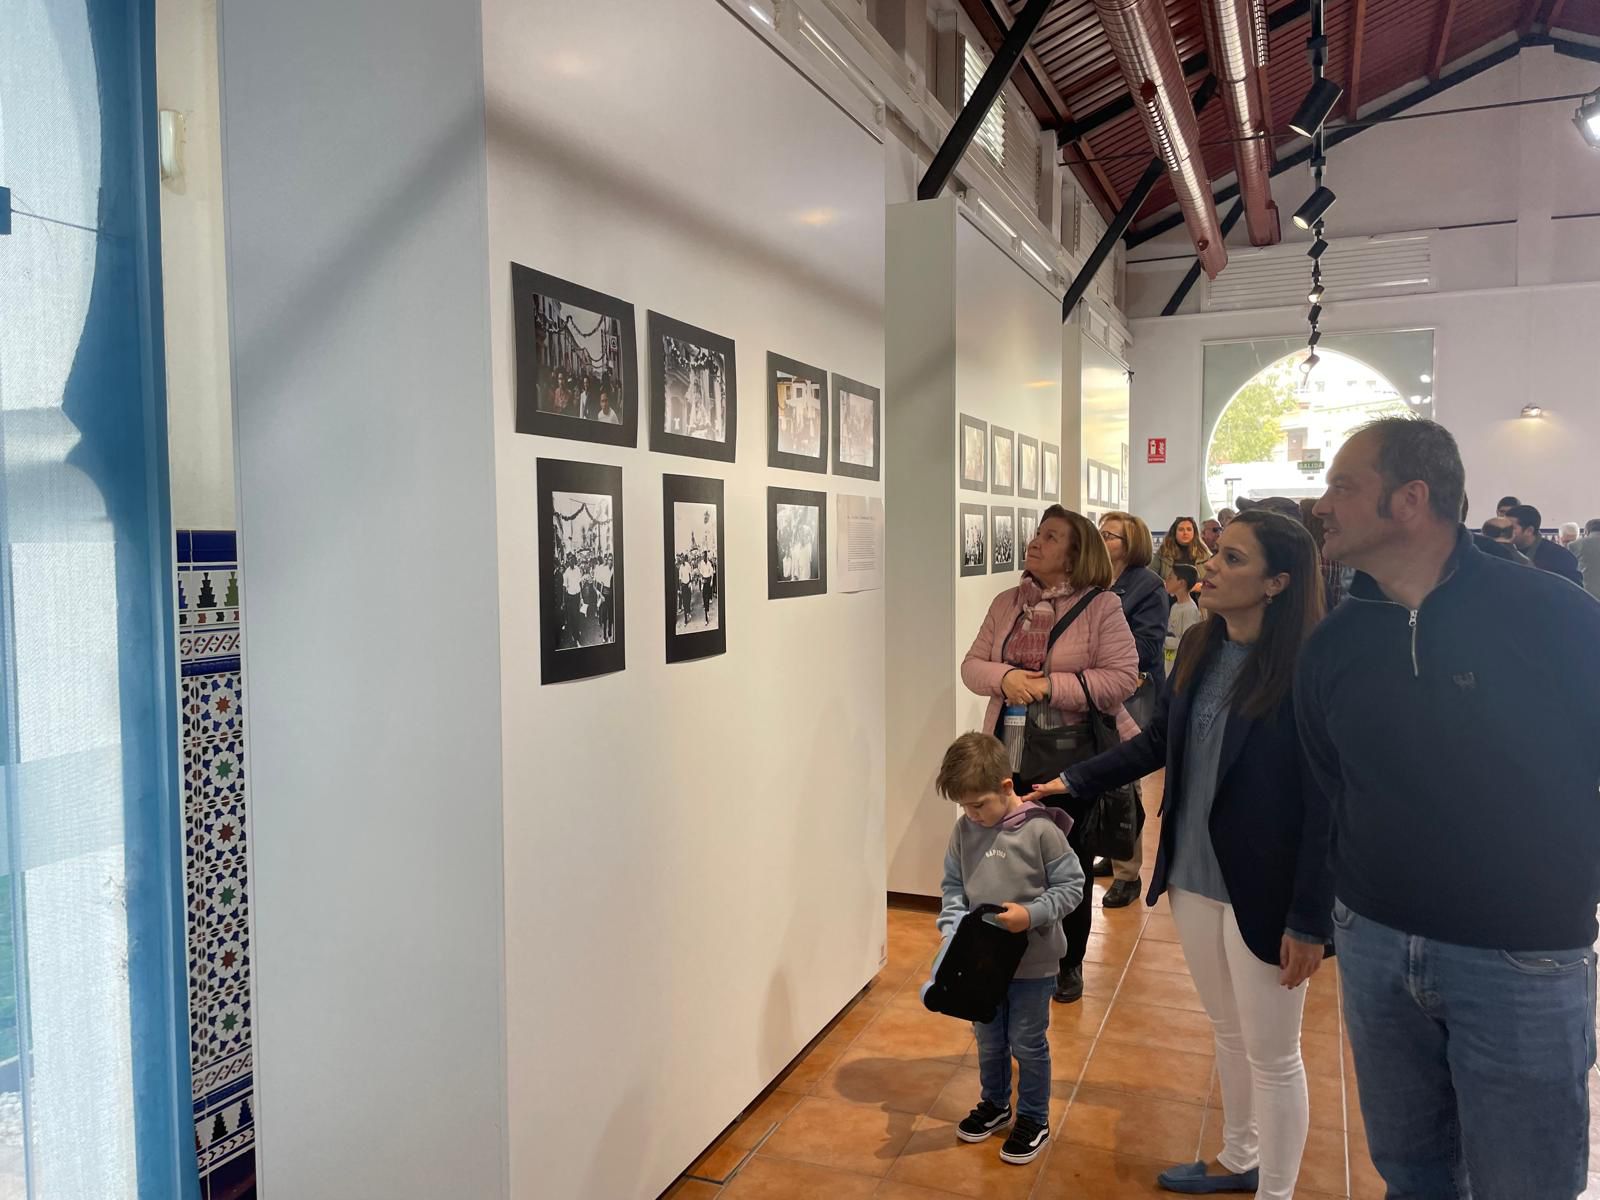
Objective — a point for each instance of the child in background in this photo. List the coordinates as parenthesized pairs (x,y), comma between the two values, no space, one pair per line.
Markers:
(1185,612)
(1005,852)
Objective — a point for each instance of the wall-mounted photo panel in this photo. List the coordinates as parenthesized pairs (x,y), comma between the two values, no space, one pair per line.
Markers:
(1027,524)
(1002,461)
(1049,472)
(1027,466)
(797,543)
(581,627)
(694,403)
(577,361)
(974,535)
(974,454)
(797,415)
(696,599)
(1002,540)
(857,429)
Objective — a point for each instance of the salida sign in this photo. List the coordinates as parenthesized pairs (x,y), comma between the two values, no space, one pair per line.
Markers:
(1158,450)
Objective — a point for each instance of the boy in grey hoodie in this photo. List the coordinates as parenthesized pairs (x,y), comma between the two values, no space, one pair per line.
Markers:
(1003,851)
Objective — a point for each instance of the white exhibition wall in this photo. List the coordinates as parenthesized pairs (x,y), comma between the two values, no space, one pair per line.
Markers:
(694,853)
(358,281)
(1511,315)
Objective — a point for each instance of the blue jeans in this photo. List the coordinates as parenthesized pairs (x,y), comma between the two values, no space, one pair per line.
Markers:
(1018,1030)
(1473,1064)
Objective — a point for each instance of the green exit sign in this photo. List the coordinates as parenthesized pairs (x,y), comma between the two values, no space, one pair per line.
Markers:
(1311,465)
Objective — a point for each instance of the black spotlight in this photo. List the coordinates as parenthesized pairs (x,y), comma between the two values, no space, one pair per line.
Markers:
(1314,296)
(1587,119)
(1315,314)
(1319,202)
(1317,247)
(1316,336)
(1314,109)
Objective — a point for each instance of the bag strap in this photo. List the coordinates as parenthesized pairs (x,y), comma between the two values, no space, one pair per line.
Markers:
(1088,699)
(1072,615)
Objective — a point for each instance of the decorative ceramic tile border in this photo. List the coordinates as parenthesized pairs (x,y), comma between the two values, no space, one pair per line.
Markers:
(217,861)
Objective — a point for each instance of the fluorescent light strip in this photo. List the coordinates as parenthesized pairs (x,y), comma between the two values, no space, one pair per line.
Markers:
(995,217)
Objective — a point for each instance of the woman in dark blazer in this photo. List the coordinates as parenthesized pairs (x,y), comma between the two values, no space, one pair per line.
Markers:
(1244,841)
(1145,604)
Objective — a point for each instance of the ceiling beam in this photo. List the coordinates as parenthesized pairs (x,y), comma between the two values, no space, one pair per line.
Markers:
(1352,89)
(1443,44)
(1339,134)
(1192,66)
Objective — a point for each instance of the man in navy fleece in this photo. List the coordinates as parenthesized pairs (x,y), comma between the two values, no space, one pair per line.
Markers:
(1469,989)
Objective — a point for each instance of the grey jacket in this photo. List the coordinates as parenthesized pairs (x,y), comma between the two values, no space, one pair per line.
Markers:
(1587,551)
(1030,865)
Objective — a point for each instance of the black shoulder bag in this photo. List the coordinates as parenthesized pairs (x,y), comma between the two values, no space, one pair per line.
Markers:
(1111,824)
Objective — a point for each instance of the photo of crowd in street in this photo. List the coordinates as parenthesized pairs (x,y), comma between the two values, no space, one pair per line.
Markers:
(797,417)
(575,361)
(974,539)
(797,543)
(693,383)
(856,423)
(696,595)
(580,559)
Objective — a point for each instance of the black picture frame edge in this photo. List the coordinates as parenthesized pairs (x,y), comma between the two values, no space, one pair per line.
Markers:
(662,442)
(857,388)
(526,418)
(693,489)
(780,459)
(566,475)
(776,588)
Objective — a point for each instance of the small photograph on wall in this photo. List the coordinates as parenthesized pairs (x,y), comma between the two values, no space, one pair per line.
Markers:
(1049,472)
(797,415)
(692,522)
(581,629)
(1002,461)
(1027,524)
(857,425)
(974,454)
(1027,466)
(1002,539)
(577,372)
(974,540)
(693,390)
(797,543)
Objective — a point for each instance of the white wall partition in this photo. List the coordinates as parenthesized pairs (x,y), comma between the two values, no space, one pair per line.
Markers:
(358,273)
(694,853)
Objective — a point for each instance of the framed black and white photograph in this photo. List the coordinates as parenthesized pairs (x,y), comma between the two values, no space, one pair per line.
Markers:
(1002,461)
(1002,540)
(974,454)
(581,628)
(797,415)
(692,526)
(1049,472)
(694,405)
(797,543)
(974,540)
(1027,525)
(577,361)
(1027,466)
(857,429)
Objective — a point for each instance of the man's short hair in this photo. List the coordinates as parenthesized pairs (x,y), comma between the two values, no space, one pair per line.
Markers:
(1527,516)
(1411,449)
(1507,502)
(975,765)
(1593,526)
(1495,531)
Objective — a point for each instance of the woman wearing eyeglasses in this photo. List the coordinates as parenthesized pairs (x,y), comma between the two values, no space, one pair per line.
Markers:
(1144,603)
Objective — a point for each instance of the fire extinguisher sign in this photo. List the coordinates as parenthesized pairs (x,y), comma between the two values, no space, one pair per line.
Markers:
(1158,450)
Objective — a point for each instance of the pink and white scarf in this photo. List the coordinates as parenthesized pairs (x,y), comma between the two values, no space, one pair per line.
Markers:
(1026,646)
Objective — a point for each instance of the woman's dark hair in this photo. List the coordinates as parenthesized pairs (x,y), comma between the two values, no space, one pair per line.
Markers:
(1267,676)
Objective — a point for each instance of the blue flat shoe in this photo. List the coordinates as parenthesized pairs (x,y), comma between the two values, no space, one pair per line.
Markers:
(1191,1180)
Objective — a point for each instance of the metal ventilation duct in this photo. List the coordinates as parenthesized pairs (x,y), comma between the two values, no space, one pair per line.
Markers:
(1236,42)
(1142,41)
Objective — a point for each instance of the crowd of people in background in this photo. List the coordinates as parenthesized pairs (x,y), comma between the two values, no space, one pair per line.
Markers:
(1341,776)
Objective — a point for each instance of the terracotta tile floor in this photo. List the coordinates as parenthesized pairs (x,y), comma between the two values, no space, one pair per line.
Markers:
(869,1109)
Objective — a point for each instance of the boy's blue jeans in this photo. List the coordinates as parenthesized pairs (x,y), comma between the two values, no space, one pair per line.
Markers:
(1473,1064)
(1018,1030)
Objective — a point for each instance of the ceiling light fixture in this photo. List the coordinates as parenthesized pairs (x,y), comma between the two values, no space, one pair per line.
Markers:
(1587,119)
(1316,107)
(1532,412)
(1315,314)
(1317,249)
(1319,202)
(1314,296)
(1316,336)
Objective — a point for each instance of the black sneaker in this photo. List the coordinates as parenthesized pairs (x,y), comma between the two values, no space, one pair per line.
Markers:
(1069,986)
(1025,1143)
(1121,894)
(983,1121)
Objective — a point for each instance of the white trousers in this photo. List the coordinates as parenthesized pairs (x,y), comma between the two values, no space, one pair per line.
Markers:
(1266,1109)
